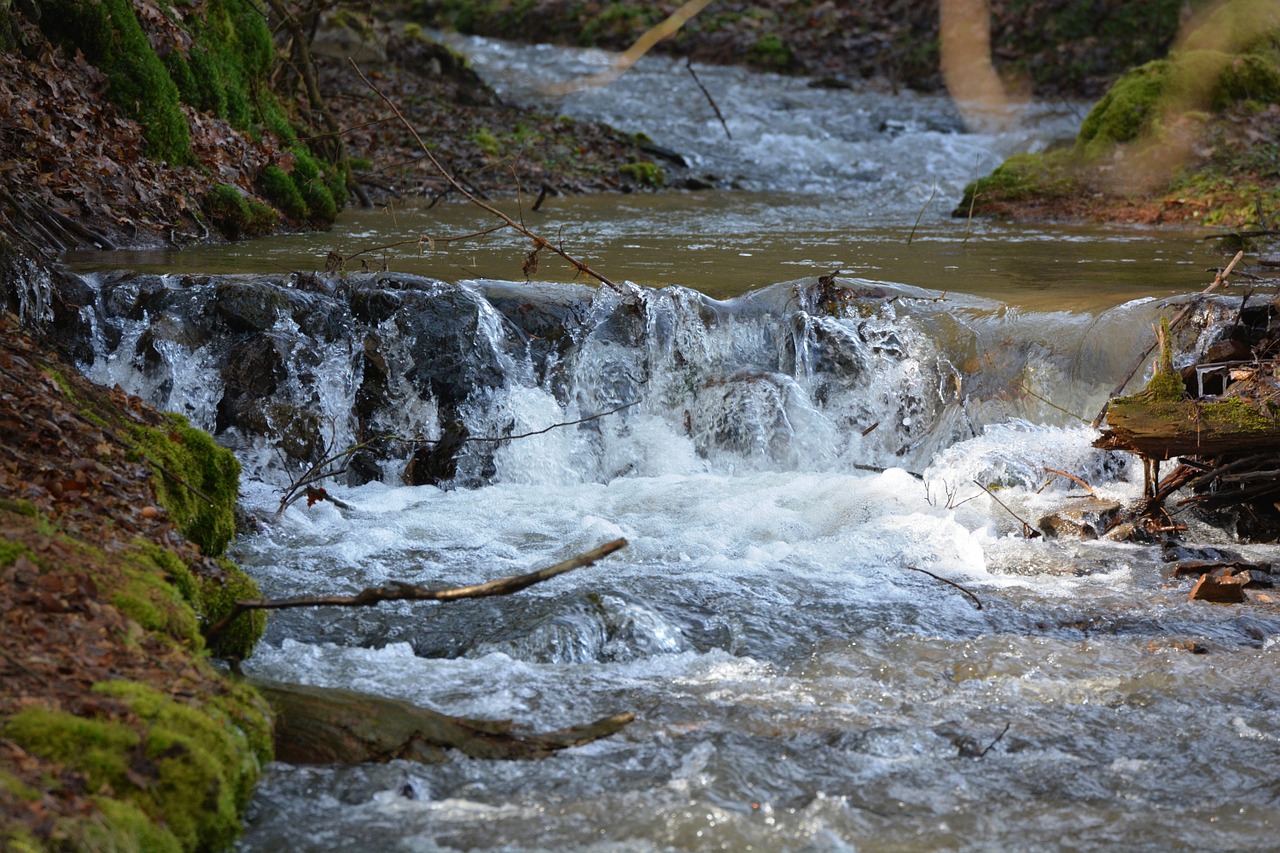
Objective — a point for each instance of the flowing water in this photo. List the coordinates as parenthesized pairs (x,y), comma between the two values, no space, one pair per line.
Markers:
(788,456)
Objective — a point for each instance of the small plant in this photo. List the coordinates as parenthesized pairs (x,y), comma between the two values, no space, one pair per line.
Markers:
(646,173)
(770,52)
(486,141)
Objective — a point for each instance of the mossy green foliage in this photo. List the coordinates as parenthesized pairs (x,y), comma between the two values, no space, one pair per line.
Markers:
(163,594)
(228,63)
(1050,175)
(770,52)
(195,479)
(283,193)
(1129,108)
(11,551)
(236,215)
(177,775)
(218,597)
(108,33)
(645,173)
(1166,383)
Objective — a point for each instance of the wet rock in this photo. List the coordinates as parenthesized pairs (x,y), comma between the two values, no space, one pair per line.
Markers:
(451,335)
(250,306)
(435,464)
(363,466)
(1219,588)
(1087,518)
(746,414)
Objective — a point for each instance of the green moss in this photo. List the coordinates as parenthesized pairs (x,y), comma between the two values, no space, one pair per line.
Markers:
(1022,176)
(486,141)
(196,481)
(178,777)
(108,33)
(769,51)
(217,600)
(1128,109)
(19,507)
(11,551)
(645,173)
(126,827)
(280,189)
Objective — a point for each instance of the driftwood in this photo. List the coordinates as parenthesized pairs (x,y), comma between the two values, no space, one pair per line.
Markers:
(317,725)
(400,591)
(1160,429)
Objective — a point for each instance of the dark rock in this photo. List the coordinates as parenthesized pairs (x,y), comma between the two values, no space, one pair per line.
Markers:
(435,464)
(253,306)
(363,467)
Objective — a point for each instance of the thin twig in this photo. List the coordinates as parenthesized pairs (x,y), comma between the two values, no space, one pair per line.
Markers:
(1028,532)
(688,64)
(430,241)
(1087,487)
(400,591)
(321,469)
(920,216)
(539,242)
(1003,732)
(977,601)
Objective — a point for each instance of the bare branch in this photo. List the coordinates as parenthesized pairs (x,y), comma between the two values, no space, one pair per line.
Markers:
(688,64)
(400,591)
(1028,532)
(977,601)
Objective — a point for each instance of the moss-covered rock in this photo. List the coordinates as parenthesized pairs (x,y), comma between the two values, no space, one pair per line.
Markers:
(645,173)
(195,479)
(178,774)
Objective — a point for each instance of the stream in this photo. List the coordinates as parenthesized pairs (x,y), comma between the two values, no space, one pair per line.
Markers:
(786,457)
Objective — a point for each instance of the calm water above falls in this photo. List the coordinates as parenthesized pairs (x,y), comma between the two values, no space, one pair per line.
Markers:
(797,687)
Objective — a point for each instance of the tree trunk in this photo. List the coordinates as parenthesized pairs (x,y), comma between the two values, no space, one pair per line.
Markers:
(316,725)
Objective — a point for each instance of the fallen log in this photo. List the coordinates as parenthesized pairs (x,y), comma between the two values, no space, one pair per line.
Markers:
(316,725)
(1158,428)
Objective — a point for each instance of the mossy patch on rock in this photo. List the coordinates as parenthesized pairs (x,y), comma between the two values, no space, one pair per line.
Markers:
(646,173)
(195,479)
(178,774)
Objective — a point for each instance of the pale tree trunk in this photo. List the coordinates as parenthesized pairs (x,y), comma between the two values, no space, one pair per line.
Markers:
(966,61)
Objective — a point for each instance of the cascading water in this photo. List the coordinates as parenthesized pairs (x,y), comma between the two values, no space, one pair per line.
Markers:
(779,463)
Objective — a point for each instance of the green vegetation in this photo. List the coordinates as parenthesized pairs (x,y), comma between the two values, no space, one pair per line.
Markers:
(177,775)
(645,173)
(222,68)
(1150,132)
(195,479)
(236,215)
(108,33)
(770,52)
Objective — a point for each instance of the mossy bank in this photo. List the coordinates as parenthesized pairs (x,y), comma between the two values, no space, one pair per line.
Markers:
(117,730)
(1186,139)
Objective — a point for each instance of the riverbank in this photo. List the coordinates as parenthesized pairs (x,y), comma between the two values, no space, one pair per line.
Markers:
(241,148)
(116,731)
(1048,49)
